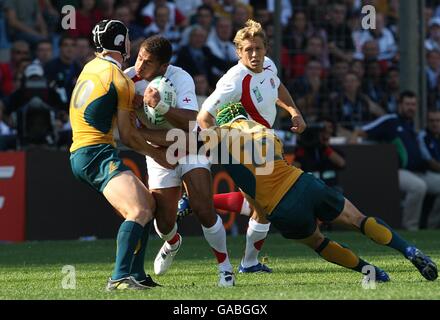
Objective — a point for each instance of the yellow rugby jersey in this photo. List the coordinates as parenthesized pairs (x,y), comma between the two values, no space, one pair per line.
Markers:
(102,88)
(268,186)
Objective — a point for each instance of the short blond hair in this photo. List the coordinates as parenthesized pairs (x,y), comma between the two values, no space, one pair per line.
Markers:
(250,30)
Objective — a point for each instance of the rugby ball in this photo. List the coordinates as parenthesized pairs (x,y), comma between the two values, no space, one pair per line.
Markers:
(147,115)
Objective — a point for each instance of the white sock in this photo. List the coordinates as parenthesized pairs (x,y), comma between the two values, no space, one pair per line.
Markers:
(255,235)
(167,237)
(245,208)
(216,237)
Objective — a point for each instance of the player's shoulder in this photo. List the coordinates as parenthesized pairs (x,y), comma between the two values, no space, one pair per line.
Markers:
(97,66)
(120,77)
(268,60)
(236,74)
(130,72)
(239,70)
(268,64)
(139,83)
(99,71)
(178,76)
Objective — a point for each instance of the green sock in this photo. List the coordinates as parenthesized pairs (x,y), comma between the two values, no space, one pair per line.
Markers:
(338,254)
(128,236)
(378,231)
(137,268)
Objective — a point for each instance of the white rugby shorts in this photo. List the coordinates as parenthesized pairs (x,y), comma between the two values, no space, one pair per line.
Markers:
(161,178)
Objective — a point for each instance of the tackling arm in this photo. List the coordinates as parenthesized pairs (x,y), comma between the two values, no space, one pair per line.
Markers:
(158,137)
(181,118)
(132,138)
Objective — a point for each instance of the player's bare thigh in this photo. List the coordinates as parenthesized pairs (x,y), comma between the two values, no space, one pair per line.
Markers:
(350,217)
(198,184)
(129,196)
(166,208)
(314,241)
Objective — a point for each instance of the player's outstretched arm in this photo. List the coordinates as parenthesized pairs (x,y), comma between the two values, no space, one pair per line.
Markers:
(286,102)
(181,118)
(158,137)
(132,138)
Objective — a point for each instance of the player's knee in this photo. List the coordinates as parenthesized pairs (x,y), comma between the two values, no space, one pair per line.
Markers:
(318,240)
(165,223)
(140,215)
(201,208)
(208,219)
(351,215)
(314,241)
(205,213)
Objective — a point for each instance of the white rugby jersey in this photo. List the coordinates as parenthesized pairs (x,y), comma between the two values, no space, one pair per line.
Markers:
(181,80)
(257,92)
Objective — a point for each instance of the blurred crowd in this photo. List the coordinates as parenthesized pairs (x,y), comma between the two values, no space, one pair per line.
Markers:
(334,69)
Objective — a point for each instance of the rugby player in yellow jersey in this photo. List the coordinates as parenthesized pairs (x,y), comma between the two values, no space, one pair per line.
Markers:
(293,200)
(102,98)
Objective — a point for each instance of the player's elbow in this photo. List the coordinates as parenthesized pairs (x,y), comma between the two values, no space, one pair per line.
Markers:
(127,138)
(200,120)
(205,119)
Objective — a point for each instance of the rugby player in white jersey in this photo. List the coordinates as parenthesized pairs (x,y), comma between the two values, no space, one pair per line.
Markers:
(253,82)
(165,184)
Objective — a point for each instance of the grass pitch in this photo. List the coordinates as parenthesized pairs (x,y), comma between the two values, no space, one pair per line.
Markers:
(33,270)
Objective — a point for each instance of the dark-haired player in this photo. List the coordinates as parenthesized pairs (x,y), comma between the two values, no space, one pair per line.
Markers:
(154,60)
